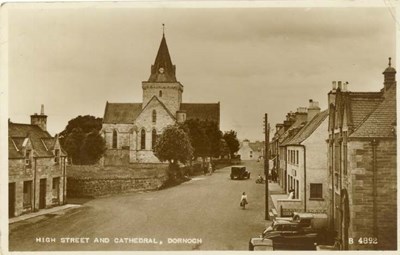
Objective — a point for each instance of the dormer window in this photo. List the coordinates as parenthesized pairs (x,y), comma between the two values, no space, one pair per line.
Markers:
(56,156)
(28,158)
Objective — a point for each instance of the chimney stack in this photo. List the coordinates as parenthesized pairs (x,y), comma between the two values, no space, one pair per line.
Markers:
(40,120)
(313,109)
(344,88)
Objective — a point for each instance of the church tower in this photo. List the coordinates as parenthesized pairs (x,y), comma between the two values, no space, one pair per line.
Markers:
(162,82)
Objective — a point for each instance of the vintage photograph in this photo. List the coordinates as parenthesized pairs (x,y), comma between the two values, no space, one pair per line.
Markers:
(166,127)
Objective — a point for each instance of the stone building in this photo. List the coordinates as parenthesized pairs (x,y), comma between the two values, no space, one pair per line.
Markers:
(306,169)
(131,129)
(362,178)
(36,167)
(251,150)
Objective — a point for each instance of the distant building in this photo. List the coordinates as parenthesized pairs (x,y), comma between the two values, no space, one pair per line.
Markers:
(36,167)
(251,151)
(362,176)
(306,169)
(131,129)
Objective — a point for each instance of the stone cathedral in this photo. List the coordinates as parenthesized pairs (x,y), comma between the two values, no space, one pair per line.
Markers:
(131,129)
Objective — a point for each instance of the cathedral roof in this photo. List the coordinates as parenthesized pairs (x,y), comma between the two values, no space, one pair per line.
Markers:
(201,111)
(163,70)
(121,112)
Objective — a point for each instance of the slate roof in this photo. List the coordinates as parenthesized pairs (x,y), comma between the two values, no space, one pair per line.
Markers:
(294,128)
(163,60)
(381,121)
(17,133)
(209,112)
(309,128)
(361,105)
(121,112)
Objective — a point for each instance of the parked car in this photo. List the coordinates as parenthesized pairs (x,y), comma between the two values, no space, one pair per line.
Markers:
(260,244)
(239,172)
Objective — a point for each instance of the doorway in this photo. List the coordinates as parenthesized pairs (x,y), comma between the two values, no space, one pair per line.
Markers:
(42,194)
(11,199)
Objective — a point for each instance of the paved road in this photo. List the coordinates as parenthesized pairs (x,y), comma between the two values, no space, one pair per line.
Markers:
(205,208)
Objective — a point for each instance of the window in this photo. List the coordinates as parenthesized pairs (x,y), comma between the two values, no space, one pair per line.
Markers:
(153,138)
(160,93)
(28,158)
(315,190)
(27,197)
(154,116)
(297,157)
(143,139)
(56,155)
(115,139)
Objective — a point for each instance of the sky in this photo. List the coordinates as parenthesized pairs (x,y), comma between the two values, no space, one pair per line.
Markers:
(251,60)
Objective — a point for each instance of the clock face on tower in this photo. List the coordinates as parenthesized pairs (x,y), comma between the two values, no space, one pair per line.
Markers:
(161,70)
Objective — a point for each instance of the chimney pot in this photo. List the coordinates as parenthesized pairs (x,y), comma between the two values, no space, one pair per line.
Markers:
(339,85)
(333,85)
(42,109)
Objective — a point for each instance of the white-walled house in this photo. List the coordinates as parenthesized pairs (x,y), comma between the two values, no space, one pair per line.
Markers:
(251,150)
(306,156)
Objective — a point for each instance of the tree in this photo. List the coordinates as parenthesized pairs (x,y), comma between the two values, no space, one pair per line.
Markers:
(214,137)
(82,141)
(173,146)
(205,137)
(198,137)
(231,140)
(93,147)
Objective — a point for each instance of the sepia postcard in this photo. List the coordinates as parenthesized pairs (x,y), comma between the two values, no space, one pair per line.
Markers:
(198,126)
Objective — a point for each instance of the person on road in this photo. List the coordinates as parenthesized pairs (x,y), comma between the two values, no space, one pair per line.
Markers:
(243,201)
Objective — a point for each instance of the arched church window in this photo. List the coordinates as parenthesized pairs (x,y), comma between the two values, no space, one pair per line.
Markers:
(143,139)
(160,93)
(115,139)
(154,116)
(153,138)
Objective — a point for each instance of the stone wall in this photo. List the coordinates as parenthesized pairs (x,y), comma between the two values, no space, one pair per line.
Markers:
(41,168)
(361,200)
(116,157)
(92,181)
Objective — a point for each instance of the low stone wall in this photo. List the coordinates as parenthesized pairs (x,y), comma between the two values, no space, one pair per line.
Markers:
(92,181)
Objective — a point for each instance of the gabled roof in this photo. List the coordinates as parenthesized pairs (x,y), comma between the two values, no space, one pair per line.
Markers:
(161,103)
(355,106)
(39,138)
(210,112)
(381,121)
(121,112)
(309,128)
(163,60)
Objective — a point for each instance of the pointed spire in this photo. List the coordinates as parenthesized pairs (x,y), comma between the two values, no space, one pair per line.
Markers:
(163,70)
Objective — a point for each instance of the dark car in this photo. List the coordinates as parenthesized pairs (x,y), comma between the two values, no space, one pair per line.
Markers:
(239,172)
(290,235)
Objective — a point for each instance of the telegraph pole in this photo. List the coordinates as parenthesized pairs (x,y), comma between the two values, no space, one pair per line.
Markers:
(266,164)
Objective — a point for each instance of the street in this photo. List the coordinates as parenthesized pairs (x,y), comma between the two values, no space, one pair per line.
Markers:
(204,211)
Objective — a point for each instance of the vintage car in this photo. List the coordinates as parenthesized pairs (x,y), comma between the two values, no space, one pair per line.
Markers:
(239,172)
(260,244)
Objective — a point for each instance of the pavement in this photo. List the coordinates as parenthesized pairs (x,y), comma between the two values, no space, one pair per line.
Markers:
(42,212)
(201,214)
